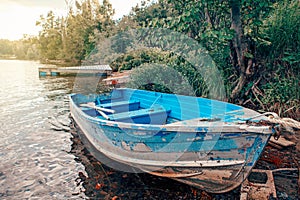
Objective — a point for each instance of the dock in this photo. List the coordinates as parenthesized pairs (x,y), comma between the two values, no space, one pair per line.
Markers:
(99,70)
(118,78)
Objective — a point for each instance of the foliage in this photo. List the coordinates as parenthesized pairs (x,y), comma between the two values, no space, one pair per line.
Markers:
(280,50)
(204,21)
(24,49)
(73,38)
(281,89)
(210,23)
(161,78)
(156,58)
(254,44)
(50,40)
(281,31)
(136,58)
(6,47)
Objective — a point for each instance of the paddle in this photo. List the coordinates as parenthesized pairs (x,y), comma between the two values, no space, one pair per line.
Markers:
(103,115)
(99,109)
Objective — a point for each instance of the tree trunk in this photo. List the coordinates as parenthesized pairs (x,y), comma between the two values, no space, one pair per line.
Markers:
(236,25)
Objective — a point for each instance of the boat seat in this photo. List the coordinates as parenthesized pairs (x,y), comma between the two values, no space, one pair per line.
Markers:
(154,115)
(89,111)
(121,106)
(108,100)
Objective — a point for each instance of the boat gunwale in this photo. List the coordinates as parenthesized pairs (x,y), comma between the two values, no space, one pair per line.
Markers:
(205,126)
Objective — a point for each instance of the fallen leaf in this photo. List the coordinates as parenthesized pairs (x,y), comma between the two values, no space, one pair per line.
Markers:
(109,173)
(99,186)
(194,192)
(115,198)
(205,196)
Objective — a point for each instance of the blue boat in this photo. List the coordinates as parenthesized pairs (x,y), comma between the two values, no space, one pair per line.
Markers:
(205,143)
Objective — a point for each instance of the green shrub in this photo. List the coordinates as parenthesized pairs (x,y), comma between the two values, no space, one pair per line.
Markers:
(160,78)
(279,50)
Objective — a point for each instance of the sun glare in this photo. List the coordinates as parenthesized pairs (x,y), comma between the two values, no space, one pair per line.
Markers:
(17,20)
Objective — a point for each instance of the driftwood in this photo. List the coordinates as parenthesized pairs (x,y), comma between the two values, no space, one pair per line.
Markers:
(280,143)
(58,125)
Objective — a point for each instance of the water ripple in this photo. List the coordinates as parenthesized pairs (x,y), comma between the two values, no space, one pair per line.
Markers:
(35,160)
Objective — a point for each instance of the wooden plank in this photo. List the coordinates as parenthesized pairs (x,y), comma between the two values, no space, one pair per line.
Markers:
(96,69)
(281,142)
(250,190)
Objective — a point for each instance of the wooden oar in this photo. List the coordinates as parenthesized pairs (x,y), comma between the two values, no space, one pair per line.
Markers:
(103,115)
(98,108)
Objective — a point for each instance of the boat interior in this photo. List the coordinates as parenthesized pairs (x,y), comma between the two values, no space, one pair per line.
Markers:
(144,107)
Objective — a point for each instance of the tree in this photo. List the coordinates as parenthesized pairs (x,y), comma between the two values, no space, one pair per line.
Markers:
(228,30)
(73,38)
(6,47)
(238,45)
(84,25)
(50,38)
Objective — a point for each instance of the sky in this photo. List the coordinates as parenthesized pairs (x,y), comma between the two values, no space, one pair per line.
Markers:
(18,17)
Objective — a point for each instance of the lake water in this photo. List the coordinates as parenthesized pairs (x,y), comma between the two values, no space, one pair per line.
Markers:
(35,160)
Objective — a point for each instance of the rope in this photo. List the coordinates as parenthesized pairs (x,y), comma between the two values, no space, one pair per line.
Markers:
(275,119)
(286,122)
(156,100)
(276,122)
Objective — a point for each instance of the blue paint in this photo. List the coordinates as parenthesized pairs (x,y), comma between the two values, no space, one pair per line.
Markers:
(182,107)
(242,151)
(258,147)
(176,141)
(121,106)
(250,138)
(43,73)
(154,115)
(90,112)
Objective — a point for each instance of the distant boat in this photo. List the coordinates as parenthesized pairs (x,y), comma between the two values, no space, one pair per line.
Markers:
(201,142)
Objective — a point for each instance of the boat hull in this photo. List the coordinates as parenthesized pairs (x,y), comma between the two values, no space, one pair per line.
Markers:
(214,159)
